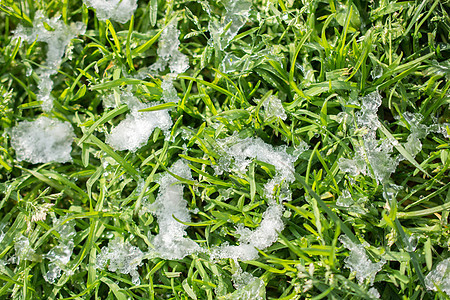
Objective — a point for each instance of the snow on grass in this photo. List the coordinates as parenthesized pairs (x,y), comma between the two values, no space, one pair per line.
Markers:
(224,30)
(439,277)
(169,207)
(59,256)
(43,140)
(121,257)
(114,10)
(273,108)
(359,262)
(134,132)
(57,35)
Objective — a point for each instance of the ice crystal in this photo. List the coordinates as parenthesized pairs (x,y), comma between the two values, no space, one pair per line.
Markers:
(171,241)
(43,140)
(57,35)
(121,257)
(359,262)
(134,132)
(247,287)
(439,277)
(273,108)
(115,10)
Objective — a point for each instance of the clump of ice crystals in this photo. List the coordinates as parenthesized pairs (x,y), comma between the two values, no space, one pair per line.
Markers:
(232,63)
(359,262)
(244,150)
(169,93)
(261,238)
(168,52)
(237,13)
(121,257)
(273,108)
(373,292)
(115,10)
(247,287)
(439,277)
(134,132)
(60,255)
(367,116)
(57,37)
(171,241)
(346,200)
(43,140)
(22,248)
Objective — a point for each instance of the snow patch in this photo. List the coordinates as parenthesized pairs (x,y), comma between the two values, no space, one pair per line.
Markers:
(115,10)
(439,277)
(43,140)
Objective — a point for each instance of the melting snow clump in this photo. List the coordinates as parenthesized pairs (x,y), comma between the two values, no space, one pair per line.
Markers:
(247,287)
(171,242)
(121,257)
(373,292)
(169,93)
(237,12)
(346,200)
(57,39)
(274,108)
(43,140)
(22,249)
(439,277)
(115,10)
(359,262)
(261,238)
(134,132)
(60,255)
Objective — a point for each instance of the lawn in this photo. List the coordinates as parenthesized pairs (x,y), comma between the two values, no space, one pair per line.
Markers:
(234,149)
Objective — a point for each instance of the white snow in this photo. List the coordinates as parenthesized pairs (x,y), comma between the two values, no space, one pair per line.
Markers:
(439,277)
(373,292)
(57,40)
(171,241)
(134,132)
(247,287)
(169,93)
(43,140)
(359,263)
(121,257)
(261,238)
(114,10)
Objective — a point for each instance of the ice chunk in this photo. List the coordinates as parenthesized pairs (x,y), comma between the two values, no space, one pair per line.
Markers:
(274,108)
(43,140)
(237,13)
(115,10)
(121,257)
(59,256)
(373,292)
(168,53)
(359,262)
(169,93)
(171,242)
(57,35)
(247,287)
(379,157)
(261,238)
(439,277)
(232,63)
(346,200)
(134,132)
(367,117)
(22,249)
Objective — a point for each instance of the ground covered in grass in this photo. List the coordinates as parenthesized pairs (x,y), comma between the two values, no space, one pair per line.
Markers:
(229,149)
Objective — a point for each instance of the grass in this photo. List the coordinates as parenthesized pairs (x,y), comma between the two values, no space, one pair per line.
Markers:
(325,55)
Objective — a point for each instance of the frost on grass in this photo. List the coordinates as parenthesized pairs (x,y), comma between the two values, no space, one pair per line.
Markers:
(121,257)
(134,132)
(273,108)
(236,15)
(171,241)
(57,35)
(359,263)
(43,140)
(59,256)
(115,10)
(247,287)
(439,278)
(261,238)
